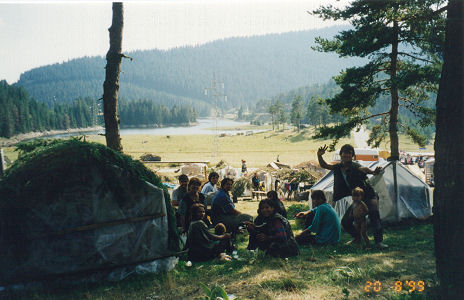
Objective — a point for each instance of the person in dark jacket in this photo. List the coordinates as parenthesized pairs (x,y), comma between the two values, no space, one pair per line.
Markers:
(275,236)
(347,176)
(201,243)
(223,209)
(279,207)
(193,196)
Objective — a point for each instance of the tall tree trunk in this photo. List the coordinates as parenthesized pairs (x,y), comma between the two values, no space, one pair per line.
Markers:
(111,84)
(448,208)
(393,129)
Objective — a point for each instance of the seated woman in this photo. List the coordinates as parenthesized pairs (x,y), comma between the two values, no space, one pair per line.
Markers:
(203,245)
(192,196)
(274,235)
(279,207)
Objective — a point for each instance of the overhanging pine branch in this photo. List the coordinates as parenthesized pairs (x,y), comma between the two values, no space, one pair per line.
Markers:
(383,80)
(373,116)
(415,57)
(427,16)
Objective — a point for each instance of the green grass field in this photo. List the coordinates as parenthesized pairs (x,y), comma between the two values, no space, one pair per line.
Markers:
(328,272)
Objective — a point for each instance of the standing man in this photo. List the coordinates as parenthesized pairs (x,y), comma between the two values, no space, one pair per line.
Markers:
(223,209)
(255,182)
(244,167)
(347,176)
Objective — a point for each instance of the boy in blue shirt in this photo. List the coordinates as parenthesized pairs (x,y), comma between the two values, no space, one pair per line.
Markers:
(325,227)
(223,209)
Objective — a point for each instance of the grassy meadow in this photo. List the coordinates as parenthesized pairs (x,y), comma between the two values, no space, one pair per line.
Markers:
(258,149)
(328,272)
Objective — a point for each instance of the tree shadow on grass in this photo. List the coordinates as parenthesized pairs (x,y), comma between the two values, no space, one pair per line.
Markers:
(298,138)
(256,275)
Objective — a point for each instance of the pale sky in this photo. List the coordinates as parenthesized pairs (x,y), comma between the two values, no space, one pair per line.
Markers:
(38,33)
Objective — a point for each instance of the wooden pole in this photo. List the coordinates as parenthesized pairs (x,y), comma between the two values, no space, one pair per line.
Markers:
(111,84)
(2,162)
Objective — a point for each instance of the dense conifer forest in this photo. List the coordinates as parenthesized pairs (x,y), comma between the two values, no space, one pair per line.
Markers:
(19,113)
(147,113)
(251,68)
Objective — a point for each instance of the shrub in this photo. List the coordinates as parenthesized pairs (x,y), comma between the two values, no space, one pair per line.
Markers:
(239,186)
(296,208)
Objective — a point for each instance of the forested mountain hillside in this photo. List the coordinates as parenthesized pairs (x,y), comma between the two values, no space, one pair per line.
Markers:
(20,114)
(316,111)
(250,68)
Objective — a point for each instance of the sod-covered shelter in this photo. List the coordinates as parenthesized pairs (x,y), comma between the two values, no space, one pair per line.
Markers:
(76,208)
(401,193)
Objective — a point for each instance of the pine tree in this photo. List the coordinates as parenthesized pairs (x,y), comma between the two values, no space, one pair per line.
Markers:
(402,41)
(240,113)
(297,111)
(272,109)
(448,207)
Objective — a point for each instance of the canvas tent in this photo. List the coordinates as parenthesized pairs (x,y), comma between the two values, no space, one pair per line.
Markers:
(412,198)
(76,208)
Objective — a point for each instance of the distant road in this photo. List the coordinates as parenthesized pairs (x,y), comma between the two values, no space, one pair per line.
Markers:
(361,137)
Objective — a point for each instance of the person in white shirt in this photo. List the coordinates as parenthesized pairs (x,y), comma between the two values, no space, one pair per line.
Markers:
(210,186)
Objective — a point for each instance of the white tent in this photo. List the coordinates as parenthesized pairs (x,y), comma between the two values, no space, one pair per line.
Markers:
(401,196)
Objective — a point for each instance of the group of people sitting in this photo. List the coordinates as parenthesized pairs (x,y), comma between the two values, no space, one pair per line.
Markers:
(270,231)
(196,219)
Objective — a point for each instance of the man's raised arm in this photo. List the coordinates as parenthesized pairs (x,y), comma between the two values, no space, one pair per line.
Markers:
(321,160)
(369,171)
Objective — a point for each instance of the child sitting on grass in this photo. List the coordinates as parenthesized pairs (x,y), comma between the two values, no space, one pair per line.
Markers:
(274,234)
(358,213)
(203,245)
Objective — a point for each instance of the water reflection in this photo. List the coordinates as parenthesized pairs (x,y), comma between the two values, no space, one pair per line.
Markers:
(204,126)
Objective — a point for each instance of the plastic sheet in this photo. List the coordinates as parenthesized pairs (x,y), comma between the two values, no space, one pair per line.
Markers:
(105,219)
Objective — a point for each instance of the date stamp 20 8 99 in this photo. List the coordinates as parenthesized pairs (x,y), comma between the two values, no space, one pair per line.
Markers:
(398,286)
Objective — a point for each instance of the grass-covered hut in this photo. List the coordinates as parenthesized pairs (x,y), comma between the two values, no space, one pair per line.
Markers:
(71,207)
